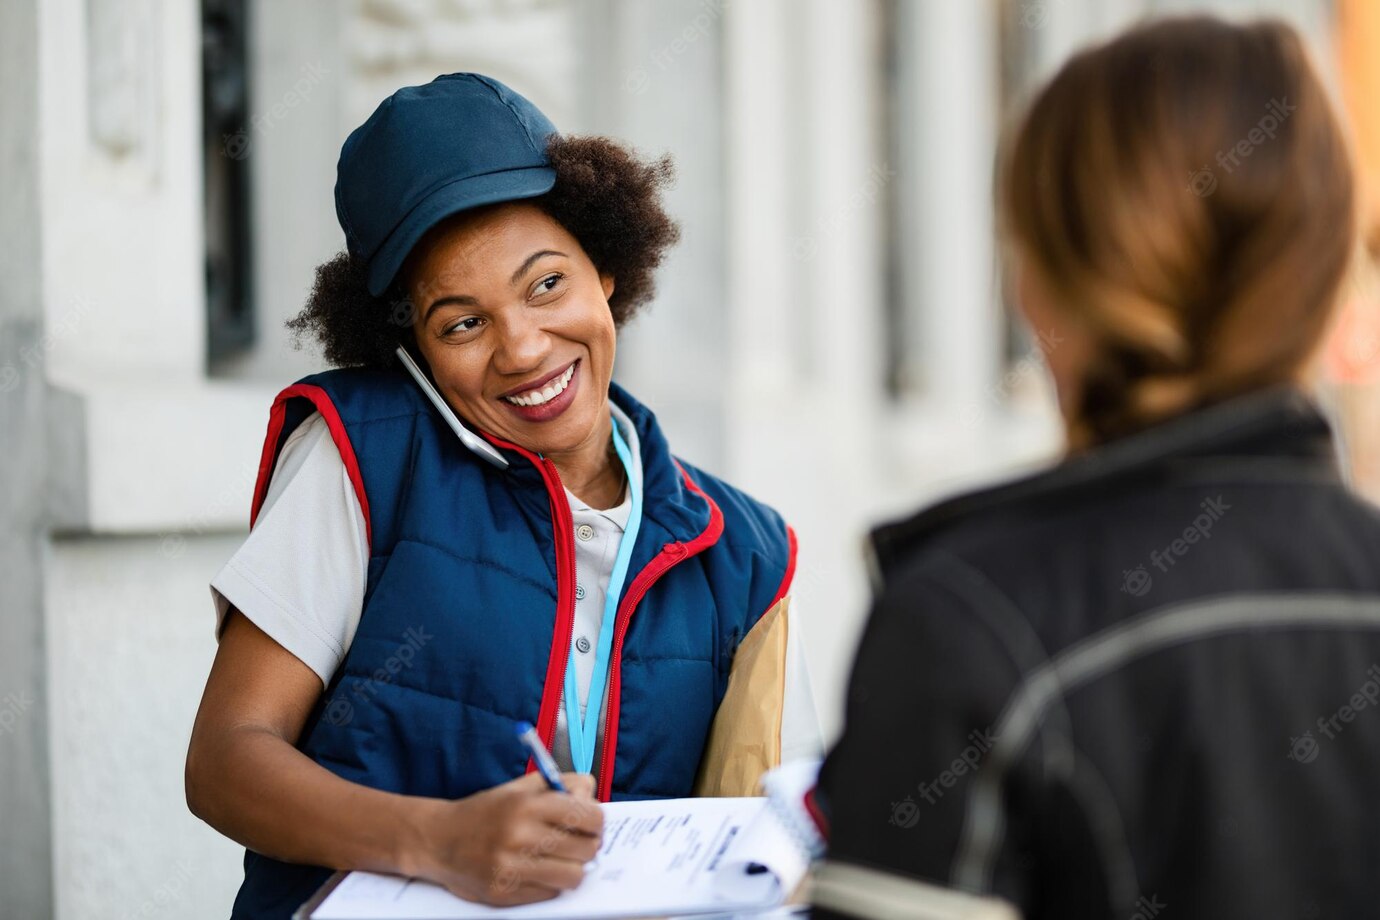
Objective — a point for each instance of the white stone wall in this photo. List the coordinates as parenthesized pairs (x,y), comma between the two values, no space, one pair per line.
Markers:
(153,465)
(129,647)
(121,192)
(528,44)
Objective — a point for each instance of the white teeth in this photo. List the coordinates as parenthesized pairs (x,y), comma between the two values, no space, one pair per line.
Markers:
(538,397)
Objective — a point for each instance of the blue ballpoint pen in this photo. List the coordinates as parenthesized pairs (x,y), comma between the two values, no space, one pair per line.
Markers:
(546,766)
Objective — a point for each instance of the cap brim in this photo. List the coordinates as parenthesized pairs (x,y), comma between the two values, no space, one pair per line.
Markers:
(449,199)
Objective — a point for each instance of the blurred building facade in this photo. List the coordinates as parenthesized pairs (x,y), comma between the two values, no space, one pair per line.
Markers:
(829,334)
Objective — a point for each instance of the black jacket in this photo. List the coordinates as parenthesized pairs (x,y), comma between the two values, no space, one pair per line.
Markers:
(1147,680)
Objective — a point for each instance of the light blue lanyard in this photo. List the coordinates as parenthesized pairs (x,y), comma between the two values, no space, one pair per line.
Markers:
(584,732)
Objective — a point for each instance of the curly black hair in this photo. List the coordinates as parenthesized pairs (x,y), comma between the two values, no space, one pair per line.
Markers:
(605,195)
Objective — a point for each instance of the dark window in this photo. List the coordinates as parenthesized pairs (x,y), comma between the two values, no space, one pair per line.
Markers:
(227,142)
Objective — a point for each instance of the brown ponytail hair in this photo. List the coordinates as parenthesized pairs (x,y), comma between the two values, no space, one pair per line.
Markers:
(1185,192)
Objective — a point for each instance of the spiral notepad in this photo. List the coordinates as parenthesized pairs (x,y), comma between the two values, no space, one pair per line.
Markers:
(786,788)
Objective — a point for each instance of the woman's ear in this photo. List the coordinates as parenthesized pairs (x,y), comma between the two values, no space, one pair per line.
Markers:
(606,282)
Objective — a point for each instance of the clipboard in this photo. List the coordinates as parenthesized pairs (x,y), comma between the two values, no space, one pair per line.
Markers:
(305,911)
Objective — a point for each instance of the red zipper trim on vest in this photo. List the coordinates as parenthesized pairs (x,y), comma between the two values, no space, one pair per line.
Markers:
(670,555)
(790,568)
(563,527)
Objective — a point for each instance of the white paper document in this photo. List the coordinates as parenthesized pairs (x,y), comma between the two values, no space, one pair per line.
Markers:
(675,856)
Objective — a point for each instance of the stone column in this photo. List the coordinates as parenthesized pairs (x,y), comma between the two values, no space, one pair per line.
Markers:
(26,870)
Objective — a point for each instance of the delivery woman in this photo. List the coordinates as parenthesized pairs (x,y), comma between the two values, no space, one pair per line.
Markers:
(403,599)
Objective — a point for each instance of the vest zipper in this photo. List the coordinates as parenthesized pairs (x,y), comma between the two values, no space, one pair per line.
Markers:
(565,598)
(671,554)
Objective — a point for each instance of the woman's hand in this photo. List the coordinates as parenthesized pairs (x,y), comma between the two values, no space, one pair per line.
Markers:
(513,844)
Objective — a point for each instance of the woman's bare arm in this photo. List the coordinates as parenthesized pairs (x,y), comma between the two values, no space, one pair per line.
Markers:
(515,843)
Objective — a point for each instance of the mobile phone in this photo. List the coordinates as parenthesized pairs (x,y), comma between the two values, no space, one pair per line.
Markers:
(471,440)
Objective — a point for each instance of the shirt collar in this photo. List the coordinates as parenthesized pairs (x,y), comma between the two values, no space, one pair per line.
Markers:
(618,514)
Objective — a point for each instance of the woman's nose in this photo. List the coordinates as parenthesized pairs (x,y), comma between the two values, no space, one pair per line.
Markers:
(522,346)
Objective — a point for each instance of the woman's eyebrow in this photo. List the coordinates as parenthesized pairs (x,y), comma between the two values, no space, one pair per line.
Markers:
(527,263)
(468,301)
(463,300)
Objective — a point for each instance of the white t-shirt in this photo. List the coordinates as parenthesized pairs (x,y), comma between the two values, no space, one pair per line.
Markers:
(300,577)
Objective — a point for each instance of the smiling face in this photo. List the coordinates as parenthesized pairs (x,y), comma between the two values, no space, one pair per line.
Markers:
(514,320)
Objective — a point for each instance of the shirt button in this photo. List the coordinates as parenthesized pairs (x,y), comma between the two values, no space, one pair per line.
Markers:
(582,644)
(579,592)
(584,532)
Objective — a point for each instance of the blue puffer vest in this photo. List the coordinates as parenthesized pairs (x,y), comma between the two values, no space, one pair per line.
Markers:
(470,600)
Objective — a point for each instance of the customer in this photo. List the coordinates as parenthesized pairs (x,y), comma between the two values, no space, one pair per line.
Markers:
(1145,680)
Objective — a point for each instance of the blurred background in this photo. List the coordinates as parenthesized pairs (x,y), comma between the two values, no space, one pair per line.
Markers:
(831,334)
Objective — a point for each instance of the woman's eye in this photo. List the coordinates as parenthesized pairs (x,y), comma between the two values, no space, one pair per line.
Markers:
(468,324)
(549,283)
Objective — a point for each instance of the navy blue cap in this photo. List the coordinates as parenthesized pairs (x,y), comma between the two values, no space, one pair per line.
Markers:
(461,141)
